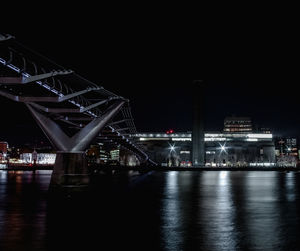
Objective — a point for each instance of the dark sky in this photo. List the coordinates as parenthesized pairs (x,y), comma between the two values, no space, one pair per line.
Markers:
(156,75)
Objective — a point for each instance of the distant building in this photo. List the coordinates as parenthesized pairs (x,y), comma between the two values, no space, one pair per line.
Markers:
(41,158)
(115,155)
(98,153)
(237,145)
(287,151)
(286,146)
(111,154)
(237,124)
(3,150)
(3,147)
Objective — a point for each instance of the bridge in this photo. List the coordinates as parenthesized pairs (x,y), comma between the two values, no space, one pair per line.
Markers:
(71,110)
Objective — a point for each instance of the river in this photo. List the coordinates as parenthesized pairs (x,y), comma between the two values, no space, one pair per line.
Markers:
(172,210)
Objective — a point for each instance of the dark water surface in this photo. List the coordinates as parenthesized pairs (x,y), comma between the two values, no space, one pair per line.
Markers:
(175,210)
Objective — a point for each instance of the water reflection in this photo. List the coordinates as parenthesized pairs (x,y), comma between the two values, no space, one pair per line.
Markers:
(235,211)
(289,187)
(22,212)
(217,212)
(187,210)
(263,216)
(3,166)
(171,223)
(225,213)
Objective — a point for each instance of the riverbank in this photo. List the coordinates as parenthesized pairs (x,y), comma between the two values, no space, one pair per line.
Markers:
(25,168)
(155,168)
(145,168)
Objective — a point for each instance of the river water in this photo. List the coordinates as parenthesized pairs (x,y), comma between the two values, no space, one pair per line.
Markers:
(174,210)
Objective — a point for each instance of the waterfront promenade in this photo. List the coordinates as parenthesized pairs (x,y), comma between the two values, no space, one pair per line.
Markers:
(95,168)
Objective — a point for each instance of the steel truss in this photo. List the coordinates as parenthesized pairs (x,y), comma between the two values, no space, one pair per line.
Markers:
(70,109)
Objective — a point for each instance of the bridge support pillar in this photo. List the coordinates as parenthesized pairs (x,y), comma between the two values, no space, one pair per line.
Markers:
(70,172)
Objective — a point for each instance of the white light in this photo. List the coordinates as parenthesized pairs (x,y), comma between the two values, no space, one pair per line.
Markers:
(149,139)
(223,148)
(172,147)
(214,135)
(215,139)
(210,152)
(182,152)
(262,164)
(13,67)
(260,135)
(25,74)
(181,139)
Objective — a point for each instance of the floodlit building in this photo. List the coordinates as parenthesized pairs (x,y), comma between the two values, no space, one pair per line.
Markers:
(240,149)
(237,124)
(42,158)
(236,145)
(287,151)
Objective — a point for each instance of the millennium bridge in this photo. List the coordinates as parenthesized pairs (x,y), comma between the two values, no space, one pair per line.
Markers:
(71,110)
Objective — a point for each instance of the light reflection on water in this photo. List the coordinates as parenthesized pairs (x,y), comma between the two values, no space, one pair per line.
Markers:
(22,209)
(263,211)
(217,223)
(3,166)
(235,211)
(226,229)
(170,212)
(190,210)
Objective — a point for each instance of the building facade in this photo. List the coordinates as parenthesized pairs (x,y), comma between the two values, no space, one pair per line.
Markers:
(287,151)
(237,124)
(237,145)
(221,148)
(41,158)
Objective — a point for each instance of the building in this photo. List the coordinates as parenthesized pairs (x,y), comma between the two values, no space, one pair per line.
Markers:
(111,155)
(240,149)
(237,124)
(41,158)
(3,150)
(287,151)
(221,149)
(286,146)
(236,145)
(3,147)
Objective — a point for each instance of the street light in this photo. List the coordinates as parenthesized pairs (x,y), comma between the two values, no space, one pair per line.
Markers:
(172,147)
(223,147)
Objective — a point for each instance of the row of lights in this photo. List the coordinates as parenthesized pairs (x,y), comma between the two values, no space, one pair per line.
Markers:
(61,95)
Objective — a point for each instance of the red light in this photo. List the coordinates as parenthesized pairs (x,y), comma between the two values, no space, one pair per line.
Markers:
(170,131)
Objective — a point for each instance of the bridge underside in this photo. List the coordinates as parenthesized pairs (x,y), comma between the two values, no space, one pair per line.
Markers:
(72,111)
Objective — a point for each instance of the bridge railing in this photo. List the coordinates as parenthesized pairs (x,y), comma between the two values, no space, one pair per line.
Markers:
(65,93)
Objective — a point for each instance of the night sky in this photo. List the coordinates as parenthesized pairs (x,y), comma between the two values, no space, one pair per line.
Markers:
(156,75)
